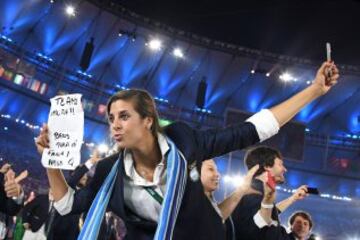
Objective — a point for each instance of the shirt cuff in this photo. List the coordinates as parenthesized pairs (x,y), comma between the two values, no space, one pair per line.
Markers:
(260,222)
(265,123)
(20,199)
(89,164)
(64,205)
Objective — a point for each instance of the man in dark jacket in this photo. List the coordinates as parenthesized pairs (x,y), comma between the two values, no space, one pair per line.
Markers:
(249,223)
(301,224)
(41,217)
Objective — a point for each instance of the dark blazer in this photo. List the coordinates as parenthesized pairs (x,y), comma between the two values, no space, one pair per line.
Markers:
(64,227)
(197,218)
(291,236)
(36,213)
(311,237)
(7,205)
(245,227)
(77,174)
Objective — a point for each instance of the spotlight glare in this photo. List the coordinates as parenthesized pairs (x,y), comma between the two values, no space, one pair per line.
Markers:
(103,148)
(268,74)
(227,179)
(318,237)
(236,180)
(287,77)
(351,238)
(178,53)
(70,10)
(155,44)
(252,71)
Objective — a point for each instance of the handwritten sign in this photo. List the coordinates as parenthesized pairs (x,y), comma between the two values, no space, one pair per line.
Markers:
(66,130)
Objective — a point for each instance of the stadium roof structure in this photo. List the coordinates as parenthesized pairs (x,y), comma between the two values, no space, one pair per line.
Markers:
(239,74)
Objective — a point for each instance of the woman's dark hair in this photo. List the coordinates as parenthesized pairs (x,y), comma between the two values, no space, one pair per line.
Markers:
(262,155)
(144,105)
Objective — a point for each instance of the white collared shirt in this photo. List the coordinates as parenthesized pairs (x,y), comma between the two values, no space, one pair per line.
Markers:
(265,123)
(260,221)
(135,196)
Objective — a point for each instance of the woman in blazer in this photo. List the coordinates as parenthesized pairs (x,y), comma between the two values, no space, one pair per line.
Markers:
(153,182)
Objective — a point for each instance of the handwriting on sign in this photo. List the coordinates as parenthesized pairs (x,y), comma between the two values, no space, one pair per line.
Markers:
(59,158)
(52,153)
(71,161)
(66,127)
(66,101)
(58,135)
(55,163)
(59,162)
(60,145)
(63,112)
(64,105)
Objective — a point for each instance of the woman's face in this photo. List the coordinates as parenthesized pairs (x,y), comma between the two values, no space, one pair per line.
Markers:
(209,176)
(126,125)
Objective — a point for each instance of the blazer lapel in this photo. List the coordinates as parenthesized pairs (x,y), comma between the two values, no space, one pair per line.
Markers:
(117,197)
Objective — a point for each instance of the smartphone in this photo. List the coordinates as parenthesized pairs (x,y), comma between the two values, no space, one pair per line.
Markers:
(311,190)
(328,58)
(271,181)
(328,52)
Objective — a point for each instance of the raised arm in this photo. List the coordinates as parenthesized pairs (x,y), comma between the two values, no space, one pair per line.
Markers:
(56,178)
(299,194)
(267,204)
(321,85)
(259,127)
(228,205)
(67,200)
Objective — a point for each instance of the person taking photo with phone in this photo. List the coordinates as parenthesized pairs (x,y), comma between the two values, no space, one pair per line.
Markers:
(257,216)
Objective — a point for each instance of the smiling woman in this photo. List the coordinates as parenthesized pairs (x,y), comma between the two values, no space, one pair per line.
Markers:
(150,183)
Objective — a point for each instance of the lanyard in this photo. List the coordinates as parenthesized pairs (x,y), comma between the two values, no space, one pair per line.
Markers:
(154,194)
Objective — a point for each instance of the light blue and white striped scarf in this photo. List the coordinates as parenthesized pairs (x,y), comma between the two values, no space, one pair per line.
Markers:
(175,188)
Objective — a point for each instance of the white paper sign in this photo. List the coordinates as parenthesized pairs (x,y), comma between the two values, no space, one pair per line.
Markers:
(66,131)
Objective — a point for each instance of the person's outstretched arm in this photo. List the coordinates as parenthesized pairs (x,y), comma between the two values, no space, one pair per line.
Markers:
(228,205)
(299,194)
(321,85)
